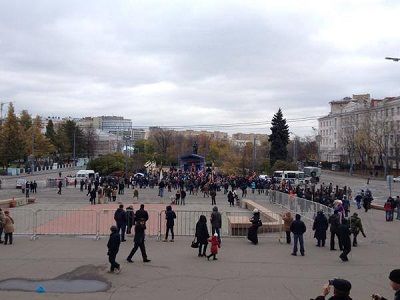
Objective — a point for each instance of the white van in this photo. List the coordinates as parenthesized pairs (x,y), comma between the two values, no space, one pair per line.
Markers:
(296,177)
(83,174)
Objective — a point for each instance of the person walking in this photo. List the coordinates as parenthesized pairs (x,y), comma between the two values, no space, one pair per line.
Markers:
(252,233)
(320,227)
(183,196)
(130,219)
(215,244)
(59,186)
(113,247)
(216,222)
(2,223)
(334,222)
(120,219)
(287,222)
(231,199)
(298,228)
(202,235)
(356,227)
(135,194)
(344,238)
(170,216)
(8,228)
(139,240)
(213,194)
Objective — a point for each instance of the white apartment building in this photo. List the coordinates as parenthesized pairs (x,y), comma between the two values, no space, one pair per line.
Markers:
(346,115)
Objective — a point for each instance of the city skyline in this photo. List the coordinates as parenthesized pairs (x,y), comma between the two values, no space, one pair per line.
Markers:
(189,63)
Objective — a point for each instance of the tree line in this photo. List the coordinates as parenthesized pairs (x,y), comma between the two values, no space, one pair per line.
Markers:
(24,140)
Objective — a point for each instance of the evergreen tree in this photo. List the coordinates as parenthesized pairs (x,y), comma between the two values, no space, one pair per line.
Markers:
(25,120)
(279,138)
(13,145)
(42,147)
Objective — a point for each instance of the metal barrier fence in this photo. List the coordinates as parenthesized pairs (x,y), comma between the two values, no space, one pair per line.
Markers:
(308,209)
(97,223)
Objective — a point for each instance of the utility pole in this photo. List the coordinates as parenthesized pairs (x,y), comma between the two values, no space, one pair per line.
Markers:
(33,152)
(1,110)
(254,154)
(74,146)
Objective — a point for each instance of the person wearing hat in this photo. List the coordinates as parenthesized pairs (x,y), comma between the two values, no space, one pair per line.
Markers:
(287,221)
(252,233)
(356,227)
(394,277)
(341,290)
(344,238)
(215,244)
(298,228)
(113,247)
(216,222)
(8,228)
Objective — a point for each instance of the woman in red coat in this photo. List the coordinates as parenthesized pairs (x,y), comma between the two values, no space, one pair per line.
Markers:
(214,246)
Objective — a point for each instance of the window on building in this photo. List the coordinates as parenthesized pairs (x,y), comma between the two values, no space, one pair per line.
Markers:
(398,125)
(335,122)
(334,146)
(392,111)
(334,135)
(398,110)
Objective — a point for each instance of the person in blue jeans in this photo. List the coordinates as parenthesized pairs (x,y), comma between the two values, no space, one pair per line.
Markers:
(298,228)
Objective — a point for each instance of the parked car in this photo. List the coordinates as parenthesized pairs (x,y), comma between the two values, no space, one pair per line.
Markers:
(21,183)
(396,179)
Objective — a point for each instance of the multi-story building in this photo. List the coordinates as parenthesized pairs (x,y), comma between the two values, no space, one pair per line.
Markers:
(113,124)
(351,117)
(241,139)
(138,134)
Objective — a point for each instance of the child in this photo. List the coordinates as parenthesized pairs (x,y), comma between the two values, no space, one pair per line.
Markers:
(214,246)
(113,248)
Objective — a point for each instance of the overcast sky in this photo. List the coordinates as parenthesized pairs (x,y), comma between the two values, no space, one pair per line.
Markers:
(196,62)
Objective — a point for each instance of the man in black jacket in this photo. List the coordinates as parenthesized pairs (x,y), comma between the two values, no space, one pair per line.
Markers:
(141,214)
(334,221)
(344,238)
(120,219)
(113,248)
(140,227)
(298,228)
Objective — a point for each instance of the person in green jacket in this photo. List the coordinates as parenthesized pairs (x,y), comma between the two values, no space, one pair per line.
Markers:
(356,227)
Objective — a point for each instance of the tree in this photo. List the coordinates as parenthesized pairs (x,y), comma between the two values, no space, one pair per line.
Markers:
(38,144)
(90,138)
(25,120)
(13,145)
(279,138)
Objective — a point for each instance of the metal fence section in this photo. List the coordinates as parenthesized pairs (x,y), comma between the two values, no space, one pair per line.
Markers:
(24,220)
(308,209)
(105,219)
(185,222)
(66,222)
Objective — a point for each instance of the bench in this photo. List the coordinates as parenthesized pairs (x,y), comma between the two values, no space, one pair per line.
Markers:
(238,225)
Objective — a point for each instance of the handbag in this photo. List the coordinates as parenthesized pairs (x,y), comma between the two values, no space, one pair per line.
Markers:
(195,244)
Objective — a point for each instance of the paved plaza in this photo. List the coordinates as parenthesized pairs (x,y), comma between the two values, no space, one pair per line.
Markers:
(243,271)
